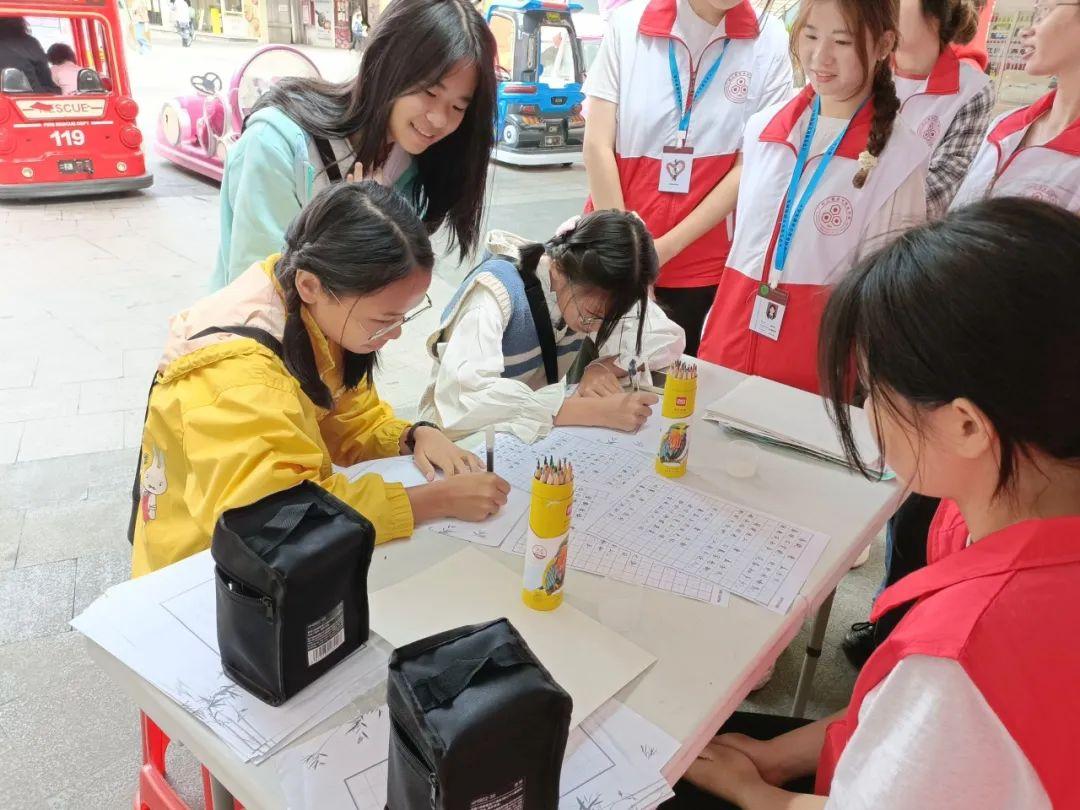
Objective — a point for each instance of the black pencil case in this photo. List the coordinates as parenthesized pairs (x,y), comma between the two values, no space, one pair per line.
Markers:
(476,723)
(291,588)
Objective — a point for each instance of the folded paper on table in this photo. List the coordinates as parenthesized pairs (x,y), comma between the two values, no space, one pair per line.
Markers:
(792,418)
(588,660)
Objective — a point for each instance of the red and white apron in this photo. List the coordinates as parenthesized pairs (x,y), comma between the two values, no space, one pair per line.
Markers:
(1005,609)
(647,119)
(829,236)
(1002,168)
(930,110)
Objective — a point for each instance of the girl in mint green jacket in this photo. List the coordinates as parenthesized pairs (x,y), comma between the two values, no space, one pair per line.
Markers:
(417,118)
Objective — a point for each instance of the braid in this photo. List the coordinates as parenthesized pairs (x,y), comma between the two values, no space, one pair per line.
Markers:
(886,106)
(299,357)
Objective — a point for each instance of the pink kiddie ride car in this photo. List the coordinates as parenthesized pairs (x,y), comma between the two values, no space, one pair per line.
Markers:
(196,131)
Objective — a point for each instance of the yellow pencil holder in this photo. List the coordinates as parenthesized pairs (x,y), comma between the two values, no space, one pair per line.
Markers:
(547,545)
(674,451)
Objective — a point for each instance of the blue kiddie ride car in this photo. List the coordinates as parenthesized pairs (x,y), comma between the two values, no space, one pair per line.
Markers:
(540,70)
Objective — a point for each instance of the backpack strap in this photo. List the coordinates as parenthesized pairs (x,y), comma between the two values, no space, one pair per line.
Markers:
(260,336)
(326,155)
(545,332)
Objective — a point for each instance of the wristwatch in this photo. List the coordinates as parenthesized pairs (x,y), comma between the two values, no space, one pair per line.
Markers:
(410,434)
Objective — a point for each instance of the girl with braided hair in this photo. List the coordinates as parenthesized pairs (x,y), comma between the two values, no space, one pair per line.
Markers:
(825,176)
(268,382)
(518,322)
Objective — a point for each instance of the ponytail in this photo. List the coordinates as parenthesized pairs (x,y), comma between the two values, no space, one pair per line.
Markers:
(958,20)
(886,107)
(297,353)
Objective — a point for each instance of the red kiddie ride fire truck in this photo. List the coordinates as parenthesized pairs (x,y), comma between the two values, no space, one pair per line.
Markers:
(80,142)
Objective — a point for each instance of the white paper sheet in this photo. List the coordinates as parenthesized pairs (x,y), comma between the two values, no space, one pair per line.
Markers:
(163,626)
(612,469)
(491,532)
(470,588)
(612,762)
(605,559)
(749,553)
(645,441)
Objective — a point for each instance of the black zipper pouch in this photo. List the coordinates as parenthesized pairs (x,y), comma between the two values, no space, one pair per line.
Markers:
(291,589)
(476,723)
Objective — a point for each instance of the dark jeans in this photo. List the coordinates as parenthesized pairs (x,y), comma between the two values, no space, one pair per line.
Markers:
(688,307)
(905,552)
(758,726)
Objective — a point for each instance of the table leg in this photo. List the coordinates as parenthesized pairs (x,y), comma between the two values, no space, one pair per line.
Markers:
(813,652)
(220,795)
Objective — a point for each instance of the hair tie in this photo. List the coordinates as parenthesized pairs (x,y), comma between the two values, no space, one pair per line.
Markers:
(867,162)
(568,226)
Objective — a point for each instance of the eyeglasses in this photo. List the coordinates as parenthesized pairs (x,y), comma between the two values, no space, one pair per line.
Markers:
(1045,9)
(586,320)
(378,333)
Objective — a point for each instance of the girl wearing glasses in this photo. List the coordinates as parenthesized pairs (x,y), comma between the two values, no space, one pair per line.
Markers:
(491,365)
(1035,151)
(269,382)
(417,118)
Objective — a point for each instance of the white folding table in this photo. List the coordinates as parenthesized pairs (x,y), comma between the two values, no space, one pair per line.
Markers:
(708,657)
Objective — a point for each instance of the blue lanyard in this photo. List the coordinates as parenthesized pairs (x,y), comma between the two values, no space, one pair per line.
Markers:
(694,93)
(792,212)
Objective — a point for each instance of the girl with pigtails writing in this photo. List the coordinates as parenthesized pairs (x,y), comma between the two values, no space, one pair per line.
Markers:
(518,322)
(825,177)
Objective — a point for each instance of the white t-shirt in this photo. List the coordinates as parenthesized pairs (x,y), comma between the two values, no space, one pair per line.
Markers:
(927,738)
(603,78)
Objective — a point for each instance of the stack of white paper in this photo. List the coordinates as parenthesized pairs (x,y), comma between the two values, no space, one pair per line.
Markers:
(164,627)
(766,411)
(612,762)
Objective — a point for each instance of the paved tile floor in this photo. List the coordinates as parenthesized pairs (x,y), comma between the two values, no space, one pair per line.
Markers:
(88,288)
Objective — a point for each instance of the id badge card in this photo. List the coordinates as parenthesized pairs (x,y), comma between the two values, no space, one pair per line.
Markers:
(676,164)
(768,315)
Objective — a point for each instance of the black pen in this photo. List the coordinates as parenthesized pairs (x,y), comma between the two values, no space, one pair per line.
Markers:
(489,440)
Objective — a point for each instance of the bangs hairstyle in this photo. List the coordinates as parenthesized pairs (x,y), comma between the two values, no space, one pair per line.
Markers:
(356,238)
(608,250)
(875,18)
(979,305)
(412,47)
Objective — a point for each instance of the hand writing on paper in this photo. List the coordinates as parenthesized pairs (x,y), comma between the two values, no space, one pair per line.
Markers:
(471,497)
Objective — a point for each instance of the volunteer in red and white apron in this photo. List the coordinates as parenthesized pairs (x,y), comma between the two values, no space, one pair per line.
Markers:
(670,93)
(945,100)
(824,177)
(972,701)
(1035,151)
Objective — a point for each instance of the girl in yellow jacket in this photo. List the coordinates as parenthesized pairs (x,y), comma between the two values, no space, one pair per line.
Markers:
(269,381)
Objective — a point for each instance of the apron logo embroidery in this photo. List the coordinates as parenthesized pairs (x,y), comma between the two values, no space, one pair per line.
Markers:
(1043,193)
(737,87)
(675,168)
(833,215)
(929,129)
